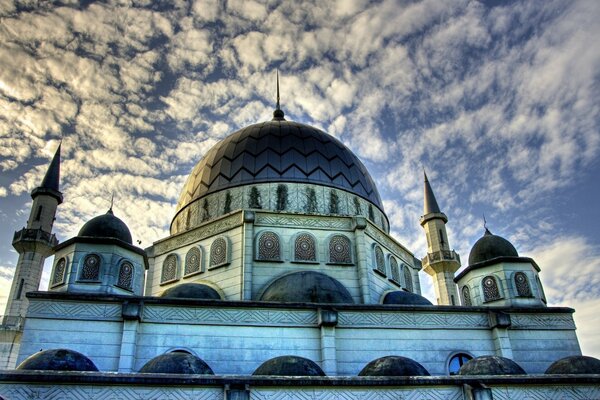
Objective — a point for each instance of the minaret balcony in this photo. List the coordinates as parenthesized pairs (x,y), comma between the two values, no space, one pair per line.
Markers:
(442,255)
(34,235)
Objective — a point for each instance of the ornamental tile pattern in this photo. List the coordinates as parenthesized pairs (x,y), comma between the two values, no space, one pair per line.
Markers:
(169,270)
(305,248)
(125,280)
(522,285)
(218,252)
(339,250)
(490,289)
(395,269)
(466,296)
(58,277)
(269,248)
(193,262)
(408,282)
(90,271)
(379,259)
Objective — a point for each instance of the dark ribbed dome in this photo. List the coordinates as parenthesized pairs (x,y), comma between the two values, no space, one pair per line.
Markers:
(491,365)
(289,366)
(575,365)
(192,291)
(393,366)
(106,226)
(177,362)
(307,287)
(489,247)
(58,360)
(279,151)
(406,298)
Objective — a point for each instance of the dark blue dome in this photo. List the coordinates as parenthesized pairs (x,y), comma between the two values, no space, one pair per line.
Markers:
(289,366)
(279,151)
(393,366)
(575,365)
(106,226)
(307,287)
(191,291)
(177,363)
(491,365)
(491,246)
(405,298)
(58,360)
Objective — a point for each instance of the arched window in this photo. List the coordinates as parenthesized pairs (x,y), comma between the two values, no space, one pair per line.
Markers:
(125,279)
(339,250)
(379,260)
(490,289)
(466,296)
(60,269)
(395,270)
(169,270)
(408,283)
(90,270)
(522,285)
(268,247)
(457,361)
(218,253)
(193,262)
(305,248)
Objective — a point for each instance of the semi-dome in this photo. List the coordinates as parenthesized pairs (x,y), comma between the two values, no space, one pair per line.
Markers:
(491,246)
(393,366)
(106,226)
(405,298)
(307,287)
(279,151)
(58,360)
(177,362)
(491,365)
(192,291)
(289,366)
(575,365)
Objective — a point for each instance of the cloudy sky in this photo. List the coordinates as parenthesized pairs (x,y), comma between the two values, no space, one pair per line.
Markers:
(499,101)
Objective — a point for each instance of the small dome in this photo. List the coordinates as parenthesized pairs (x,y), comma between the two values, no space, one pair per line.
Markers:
(490,246)
(491,365)
(191,291)
(405,298)
(575,365)
(106,226)
(177,362)
(289,366)
(307,287)
(393,366)
(58,360)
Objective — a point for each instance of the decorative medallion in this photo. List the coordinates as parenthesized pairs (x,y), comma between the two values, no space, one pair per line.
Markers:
(59,272)
(339,250)
(91,268)
(193,262)
(408,283)
(125,280)
(169,271)
(379,260)
(522,284)
(466,295)
(304,248)
(268,247)
(218,252)
(395,269)
(490,289)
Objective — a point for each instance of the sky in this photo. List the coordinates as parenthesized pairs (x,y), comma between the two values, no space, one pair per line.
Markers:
(497,100)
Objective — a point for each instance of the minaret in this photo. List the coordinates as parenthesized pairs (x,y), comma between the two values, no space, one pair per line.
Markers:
(35,242)
(441,262)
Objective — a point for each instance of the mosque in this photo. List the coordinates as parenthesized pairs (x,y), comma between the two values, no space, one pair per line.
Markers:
(279,280)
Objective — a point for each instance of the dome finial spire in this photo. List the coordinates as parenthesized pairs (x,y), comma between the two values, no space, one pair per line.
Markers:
(278,114)
(487,231)
(112,200)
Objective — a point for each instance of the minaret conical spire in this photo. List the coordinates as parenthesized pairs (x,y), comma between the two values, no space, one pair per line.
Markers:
(430,204)
(52,177)
(278,114)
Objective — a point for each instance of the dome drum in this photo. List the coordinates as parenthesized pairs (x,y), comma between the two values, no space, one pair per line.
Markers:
(267,196)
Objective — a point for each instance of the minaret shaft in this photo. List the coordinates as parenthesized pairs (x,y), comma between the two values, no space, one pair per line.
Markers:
(34,243)
(440,262)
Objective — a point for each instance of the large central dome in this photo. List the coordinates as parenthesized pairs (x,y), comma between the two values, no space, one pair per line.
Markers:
(278,151)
